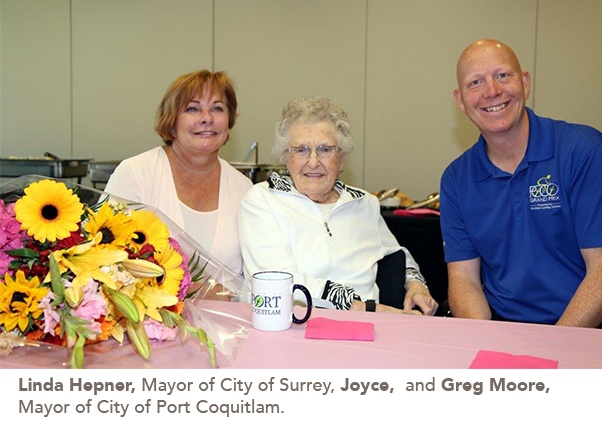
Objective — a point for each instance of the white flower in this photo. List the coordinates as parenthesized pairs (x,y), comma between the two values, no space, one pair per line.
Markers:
(9,340)
(119,274)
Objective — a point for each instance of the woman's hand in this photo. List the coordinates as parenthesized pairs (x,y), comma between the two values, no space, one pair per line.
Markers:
(417,295)
(361,306)
(418,300)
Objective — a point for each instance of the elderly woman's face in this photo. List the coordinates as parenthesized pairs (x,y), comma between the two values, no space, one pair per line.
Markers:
(314,175)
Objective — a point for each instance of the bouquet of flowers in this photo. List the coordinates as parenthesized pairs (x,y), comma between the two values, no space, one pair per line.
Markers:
(78,266)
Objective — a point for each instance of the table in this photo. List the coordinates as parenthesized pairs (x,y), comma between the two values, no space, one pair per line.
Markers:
(401,342)
(421,235)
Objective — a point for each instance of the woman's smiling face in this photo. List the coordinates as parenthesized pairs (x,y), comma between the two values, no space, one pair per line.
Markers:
(314,176)
(203,125)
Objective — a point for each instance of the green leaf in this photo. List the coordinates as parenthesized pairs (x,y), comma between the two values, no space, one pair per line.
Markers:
(170,319)
(125,304)
(204,339)
(24,252)
(75,325)
(95,206)
(139,338)
(69,332)
(58,287)
(196,271)
(77,353)
(15,264)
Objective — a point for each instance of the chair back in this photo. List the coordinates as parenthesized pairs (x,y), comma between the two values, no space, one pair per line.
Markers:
(390,279)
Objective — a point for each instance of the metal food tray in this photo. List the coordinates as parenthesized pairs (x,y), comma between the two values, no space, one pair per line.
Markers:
(100,171)
(258,172)
(56,168)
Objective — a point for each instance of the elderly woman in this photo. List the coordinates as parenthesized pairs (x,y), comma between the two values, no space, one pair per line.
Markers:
(184,177)
(328,235)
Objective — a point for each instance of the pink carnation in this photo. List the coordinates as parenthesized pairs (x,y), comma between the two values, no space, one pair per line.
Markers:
(93,304)
(51,316)
(11,235)
(156,330)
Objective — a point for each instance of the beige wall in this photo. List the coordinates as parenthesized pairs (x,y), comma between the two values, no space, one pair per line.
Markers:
(82,78)
(568,83)
(35,71)
(278,50)
(413,126)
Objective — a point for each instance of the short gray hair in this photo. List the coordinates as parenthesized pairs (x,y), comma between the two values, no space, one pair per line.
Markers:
(312,110)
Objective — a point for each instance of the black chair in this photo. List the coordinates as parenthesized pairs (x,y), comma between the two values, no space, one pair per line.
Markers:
(444,310)
(390,279)
(422,237)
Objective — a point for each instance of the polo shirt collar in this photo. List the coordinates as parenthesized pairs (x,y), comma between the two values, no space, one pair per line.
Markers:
(540,147)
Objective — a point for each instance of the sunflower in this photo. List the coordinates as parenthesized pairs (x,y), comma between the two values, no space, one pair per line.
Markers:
(148,228)
(171,262)
(115,228)
(48,211)
(19,301)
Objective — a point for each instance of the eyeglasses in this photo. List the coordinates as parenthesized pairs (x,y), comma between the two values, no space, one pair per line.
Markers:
(323,151)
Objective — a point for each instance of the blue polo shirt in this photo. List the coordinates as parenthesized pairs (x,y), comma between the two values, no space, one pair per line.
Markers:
(527,227)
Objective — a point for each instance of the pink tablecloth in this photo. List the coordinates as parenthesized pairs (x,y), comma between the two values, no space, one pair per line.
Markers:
(400,341)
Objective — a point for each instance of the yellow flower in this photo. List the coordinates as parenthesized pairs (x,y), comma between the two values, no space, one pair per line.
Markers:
(115,228)
(85,261)
(148,229)
(141,268)
(152,293)
(48,211)
(170,260)
(19,301)
(153,299)
(148,300)
(130,289)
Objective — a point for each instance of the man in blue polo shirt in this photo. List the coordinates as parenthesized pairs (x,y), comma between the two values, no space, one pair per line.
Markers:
(521,210)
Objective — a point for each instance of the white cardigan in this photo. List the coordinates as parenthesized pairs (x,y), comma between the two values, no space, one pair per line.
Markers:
(147,178)
(282,229)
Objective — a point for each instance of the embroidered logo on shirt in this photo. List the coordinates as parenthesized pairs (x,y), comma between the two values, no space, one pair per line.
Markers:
(544,194)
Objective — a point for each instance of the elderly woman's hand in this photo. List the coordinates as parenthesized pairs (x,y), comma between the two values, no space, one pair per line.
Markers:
(361,306)
(417,295)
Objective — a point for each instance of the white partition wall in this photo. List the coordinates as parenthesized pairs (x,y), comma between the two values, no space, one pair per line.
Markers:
(35,84)
(125,54)
(568,85)
(413,126)
(278,50)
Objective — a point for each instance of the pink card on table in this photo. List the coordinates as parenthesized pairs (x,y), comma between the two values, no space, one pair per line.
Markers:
(323,328)
(494,359)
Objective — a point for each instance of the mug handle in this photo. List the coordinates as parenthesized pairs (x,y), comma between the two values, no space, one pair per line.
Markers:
(305,292)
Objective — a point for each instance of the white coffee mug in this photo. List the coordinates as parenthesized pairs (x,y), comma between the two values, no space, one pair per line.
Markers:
(272,299)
